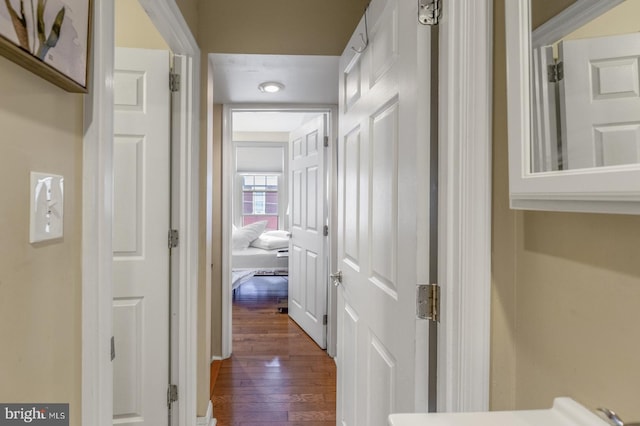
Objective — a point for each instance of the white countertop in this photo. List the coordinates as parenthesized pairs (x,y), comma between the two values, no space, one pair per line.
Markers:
(565,412)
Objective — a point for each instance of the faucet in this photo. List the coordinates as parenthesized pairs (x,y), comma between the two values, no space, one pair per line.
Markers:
(613,418)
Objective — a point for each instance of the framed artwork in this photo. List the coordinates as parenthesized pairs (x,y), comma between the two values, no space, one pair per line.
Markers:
(50,38)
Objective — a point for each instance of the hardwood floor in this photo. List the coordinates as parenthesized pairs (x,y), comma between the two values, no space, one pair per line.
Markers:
(277,374)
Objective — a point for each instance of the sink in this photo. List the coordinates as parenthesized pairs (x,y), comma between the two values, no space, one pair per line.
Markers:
(565,412)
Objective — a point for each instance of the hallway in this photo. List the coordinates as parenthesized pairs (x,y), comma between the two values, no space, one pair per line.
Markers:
(277,375)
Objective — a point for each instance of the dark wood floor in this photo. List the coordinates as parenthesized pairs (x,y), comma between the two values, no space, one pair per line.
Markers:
(277,374)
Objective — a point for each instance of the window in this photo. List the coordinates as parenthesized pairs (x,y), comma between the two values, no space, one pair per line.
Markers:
(260,199)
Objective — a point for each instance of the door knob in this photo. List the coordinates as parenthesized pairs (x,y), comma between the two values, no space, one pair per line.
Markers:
(336,277)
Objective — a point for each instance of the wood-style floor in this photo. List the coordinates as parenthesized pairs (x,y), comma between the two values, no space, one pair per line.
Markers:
(277,374)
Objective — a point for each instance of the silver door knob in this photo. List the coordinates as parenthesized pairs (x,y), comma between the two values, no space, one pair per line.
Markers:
(336,277)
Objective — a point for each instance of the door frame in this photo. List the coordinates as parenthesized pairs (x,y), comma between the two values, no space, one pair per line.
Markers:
(464,247)
(227,201)
(465,121)
(97,202)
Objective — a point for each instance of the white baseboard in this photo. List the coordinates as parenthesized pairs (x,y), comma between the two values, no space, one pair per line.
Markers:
(208,419)
(216,358)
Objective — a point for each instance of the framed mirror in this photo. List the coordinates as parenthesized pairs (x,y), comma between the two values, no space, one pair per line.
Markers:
(573,92)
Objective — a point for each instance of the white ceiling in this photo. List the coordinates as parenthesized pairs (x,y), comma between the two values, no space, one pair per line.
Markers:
(307,79)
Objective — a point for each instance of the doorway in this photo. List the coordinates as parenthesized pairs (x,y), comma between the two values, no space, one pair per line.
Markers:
(141,218)
(265,178)
(97,292)
(465,135)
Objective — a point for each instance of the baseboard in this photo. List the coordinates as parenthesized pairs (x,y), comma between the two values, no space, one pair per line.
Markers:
(208,419)
(216,358)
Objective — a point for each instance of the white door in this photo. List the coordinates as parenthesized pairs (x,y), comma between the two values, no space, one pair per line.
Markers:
(140,226)
(383,162)
(308,247)
(601,100)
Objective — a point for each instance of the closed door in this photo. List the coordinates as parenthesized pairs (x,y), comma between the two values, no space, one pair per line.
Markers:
(382,208)
(601,109)
(140,226)
(308,246)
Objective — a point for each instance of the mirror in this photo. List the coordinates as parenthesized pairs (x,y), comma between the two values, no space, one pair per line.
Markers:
(573,70)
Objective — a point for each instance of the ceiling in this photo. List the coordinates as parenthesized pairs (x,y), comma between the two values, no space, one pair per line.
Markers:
(307,79)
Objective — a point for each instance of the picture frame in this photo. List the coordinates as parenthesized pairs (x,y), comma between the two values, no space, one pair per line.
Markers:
(51,38)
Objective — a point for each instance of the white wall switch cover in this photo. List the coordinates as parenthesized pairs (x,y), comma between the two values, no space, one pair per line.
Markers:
(47,207)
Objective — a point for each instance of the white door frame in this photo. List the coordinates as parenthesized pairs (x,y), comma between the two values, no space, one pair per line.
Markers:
(97,369)
(227,201)
(464,265)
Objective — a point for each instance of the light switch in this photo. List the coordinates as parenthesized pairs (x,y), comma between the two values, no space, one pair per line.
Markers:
(47,207)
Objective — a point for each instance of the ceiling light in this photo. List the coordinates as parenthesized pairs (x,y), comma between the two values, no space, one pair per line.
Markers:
(270,87)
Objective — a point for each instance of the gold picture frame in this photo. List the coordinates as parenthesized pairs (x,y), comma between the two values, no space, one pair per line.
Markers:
(50,38)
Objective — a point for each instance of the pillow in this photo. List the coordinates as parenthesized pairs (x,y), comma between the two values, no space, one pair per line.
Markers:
(242,237)
(279,233)
(270,242)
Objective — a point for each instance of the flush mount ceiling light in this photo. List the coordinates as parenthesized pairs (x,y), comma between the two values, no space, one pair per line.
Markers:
(270,87)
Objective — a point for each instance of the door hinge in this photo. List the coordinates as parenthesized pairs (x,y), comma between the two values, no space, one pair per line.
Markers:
(174,238)
(326,141)
(113,348)
(429,12)
(174,82)
(172,394)
(428,302)
(324,320)
(325,230)
(555,72)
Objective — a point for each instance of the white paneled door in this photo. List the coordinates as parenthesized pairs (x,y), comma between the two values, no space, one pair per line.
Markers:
(308,246)
(140,226)
(601,87)
(383,164)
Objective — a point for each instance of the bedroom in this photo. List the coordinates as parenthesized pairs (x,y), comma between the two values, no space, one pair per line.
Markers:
(277,200)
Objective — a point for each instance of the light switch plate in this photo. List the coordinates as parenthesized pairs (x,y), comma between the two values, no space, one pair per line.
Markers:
(47,207)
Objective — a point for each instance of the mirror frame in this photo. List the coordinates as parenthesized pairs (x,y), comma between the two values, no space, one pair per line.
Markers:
(598,190)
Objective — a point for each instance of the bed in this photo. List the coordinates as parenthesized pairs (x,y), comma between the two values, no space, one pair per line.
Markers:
(258,252)
(252,261)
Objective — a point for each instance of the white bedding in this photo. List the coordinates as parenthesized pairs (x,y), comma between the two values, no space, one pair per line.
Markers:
(256,258)
(246,263)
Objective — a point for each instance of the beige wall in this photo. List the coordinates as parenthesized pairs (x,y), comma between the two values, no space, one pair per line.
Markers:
(566,291)
(40,284)
(189,9)
(301,27)
(622,19)
(133,28)
(503,291)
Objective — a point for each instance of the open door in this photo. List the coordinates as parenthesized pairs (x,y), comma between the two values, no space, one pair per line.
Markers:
(308,260)
(140,226)
(601,102)
(383,199)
